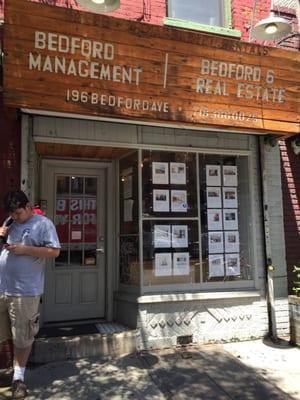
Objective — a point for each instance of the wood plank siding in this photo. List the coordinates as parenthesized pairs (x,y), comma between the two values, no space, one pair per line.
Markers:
(74,62)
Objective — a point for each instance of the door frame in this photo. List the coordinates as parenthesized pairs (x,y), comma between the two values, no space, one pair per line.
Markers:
(111,271)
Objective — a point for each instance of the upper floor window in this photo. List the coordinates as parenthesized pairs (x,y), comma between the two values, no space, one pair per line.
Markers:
(205,12)
(213,16)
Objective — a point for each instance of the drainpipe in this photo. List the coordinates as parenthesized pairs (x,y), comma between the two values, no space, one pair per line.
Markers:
(265,141)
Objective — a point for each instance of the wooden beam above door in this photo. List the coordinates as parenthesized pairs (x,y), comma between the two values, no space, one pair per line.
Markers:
(76,151)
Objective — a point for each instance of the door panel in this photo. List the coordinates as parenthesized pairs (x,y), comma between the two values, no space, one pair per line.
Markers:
(75,282)
(63,288)
(88,280)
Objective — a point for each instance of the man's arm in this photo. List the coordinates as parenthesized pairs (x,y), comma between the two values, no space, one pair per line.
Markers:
(33,251)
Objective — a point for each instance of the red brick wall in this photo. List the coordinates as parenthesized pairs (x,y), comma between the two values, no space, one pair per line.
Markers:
(291,206)
(292,42)
(242,14)
(151,11)
(10,152)
(9,149)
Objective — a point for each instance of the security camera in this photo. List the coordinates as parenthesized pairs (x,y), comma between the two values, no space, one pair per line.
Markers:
(296,145)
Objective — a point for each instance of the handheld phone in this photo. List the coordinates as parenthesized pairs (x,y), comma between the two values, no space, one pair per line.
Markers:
(6,223)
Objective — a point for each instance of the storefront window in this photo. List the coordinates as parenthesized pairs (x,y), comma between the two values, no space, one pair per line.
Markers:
(170,218)
(225,218)
(129,223)
(196,214)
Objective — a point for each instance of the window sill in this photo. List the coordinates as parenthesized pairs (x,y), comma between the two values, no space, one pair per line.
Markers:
(177,297)
(219,30)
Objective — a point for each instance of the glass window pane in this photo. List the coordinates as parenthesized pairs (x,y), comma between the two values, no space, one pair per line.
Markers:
(171,252)
(90,255)
(76,185)
(90,221)
(76,220)
(91,186)
(62,185)
(62,218)
(62,259)
(76,254)
(201,11)
(129,205)
(169,184)
(224,191)
(90,213)
(129,226)
(129,260)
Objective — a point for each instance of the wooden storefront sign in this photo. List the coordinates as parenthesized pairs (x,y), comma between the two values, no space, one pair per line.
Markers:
(62,60)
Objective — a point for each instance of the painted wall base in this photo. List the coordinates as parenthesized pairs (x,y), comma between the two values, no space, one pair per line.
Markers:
(165,324)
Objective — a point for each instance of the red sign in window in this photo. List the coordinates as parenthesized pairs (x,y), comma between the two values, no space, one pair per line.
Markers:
(76,219)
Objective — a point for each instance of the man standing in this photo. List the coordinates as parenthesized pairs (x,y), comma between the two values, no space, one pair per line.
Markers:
(31,239)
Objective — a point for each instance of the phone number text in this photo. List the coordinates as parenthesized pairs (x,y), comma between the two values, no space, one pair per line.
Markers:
(223,114)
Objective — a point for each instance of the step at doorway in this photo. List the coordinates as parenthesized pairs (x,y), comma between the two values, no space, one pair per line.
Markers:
(79,341)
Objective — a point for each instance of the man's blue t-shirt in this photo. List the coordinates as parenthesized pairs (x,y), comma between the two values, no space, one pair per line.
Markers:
(24,275)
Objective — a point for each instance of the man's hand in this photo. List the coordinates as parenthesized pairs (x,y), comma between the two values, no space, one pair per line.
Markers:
(40,252)
(15,248)
(3,231)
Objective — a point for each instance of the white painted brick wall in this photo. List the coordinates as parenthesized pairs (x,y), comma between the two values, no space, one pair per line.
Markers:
(161,324)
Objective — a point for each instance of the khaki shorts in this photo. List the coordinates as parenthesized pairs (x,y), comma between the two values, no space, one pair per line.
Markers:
(19,319)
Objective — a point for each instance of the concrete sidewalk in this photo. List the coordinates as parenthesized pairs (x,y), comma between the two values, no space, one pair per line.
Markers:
(253,370)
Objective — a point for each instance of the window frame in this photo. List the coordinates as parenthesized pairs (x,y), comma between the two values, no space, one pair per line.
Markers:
(226,29)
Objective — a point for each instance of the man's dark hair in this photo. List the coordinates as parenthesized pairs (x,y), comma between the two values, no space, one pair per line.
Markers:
(15,199)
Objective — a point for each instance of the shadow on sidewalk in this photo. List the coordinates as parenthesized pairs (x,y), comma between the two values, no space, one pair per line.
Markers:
(280,343)
(206,372)
(210,374)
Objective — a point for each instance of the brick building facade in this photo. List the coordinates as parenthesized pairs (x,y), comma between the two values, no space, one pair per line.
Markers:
(153,12)
(209,316)
(291,196)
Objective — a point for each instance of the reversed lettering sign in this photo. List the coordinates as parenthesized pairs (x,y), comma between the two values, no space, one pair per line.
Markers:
(76,215)
(68,61)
